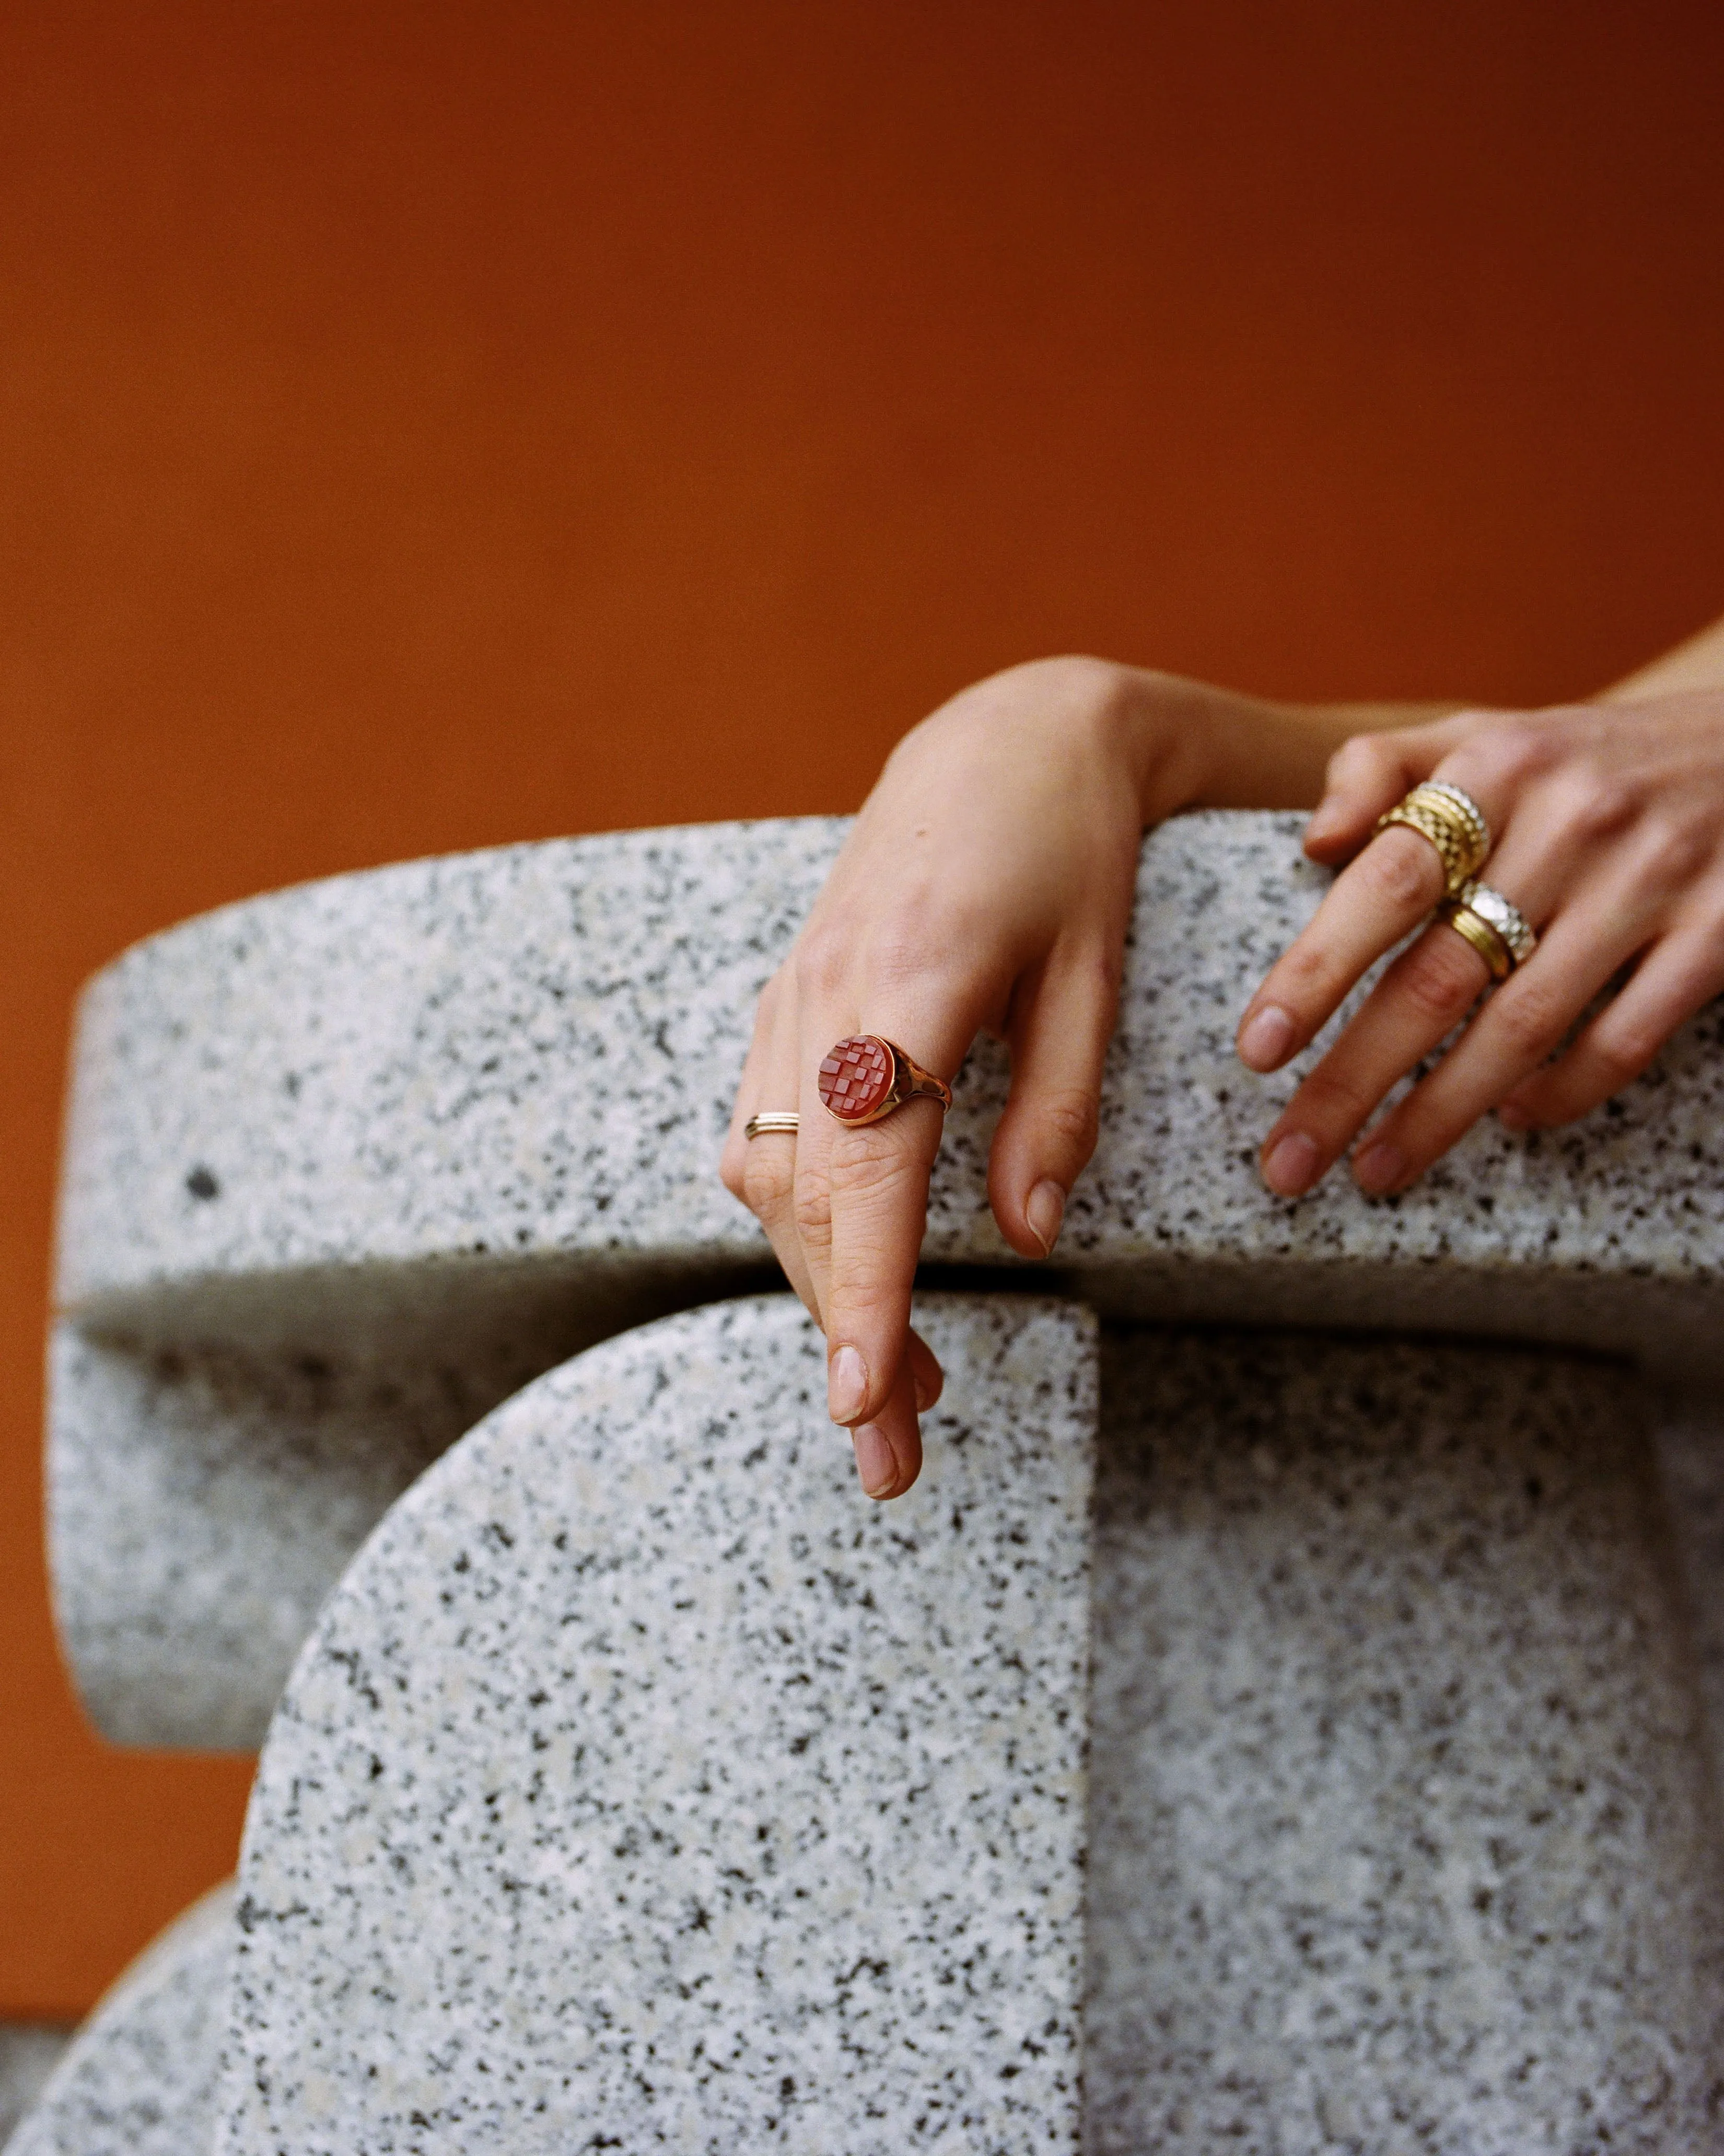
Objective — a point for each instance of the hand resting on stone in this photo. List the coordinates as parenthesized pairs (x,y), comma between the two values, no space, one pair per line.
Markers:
(987,886)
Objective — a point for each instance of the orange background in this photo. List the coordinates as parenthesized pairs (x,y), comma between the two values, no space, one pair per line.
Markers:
(427,425)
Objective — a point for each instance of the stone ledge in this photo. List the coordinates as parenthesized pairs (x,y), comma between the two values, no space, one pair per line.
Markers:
(500,1061)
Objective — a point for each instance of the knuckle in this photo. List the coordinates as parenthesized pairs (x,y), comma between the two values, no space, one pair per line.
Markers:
(1401,870)
(1359,760)
(1682,847)
(811,1211)
(872,1165)
(1071,1115)
(1507,753)
(822,959)
(898,951)
(1530,1017)
(1440,976)
(1307,974)
(1598,802)
(1340,1101)
(1621,1051)
(768,1180)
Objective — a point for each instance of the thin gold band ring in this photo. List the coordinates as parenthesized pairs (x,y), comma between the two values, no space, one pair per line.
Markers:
(772,1119)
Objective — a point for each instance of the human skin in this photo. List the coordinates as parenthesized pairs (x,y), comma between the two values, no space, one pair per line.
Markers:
(987,886)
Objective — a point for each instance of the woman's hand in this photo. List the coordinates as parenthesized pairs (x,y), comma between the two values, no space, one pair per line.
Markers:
(1608,827)
(988,885)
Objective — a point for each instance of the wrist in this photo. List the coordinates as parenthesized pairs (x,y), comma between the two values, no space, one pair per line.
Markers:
(1190,745)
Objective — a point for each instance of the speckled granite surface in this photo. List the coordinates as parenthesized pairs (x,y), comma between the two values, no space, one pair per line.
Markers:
(139,2078)
(349,1164)
(1401,1836)
(528,1055)
(205,1499)
(643,1787)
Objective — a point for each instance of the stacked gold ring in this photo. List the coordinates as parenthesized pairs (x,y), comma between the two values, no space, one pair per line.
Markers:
(1453,821)
(772,1119)
(1494,927)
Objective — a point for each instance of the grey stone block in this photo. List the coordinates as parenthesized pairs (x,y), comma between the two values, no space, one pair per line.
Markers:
(348,1164)
(139,2078)
(523,1061)
(642,1786)
(1401,1831)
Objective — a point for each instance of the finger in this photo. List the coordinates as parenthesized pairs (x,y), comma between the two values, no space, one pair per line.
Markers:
(1524,1021)
(1376,901)
(751,1086)
(861,1206)
(767,1173)
(927,1379)
(1677,978)
(1419,1001)
(1379,897)
(1061,1021)
(888,1448)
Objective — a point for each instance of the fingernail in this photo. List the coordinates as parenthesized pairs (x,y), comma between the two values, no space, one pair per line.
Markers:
(874,1463)
(1291,1165)
(1379,1166)
(1265,1038)
(1045,1211)
(1513,1118)
(846,1384)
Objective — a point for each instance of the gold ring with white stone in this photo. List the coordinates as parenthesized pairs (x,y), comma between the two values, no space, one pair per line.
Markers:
(1453,821)
(772,1119)
(1494,927)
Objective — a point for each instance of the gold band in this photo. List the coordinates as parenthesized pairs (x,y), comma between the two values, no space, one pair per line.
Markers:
(1452,821)
(1493,925)
(772,1119)
(1484,939)
(915,1083)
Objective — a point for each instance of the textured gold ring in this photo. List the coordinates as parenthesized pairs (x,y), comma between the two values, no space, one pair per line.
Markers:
(772,1119)
(1494,927)
(1452,821)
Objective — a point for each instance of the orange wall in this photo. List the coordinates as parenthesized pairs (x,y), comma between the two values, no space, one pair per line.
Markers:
(424,425)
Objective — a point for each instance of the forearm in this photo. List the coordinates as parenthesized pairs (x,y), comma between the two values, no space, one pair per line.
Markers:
(1698,663)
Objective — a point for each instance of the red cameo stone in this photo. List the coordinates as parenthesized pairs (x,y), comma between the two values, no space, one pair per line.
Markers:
(855,1077)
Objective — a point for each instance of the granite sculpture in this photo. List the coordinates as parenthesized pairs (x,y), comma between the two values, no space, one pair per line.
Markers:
(138,2079)
(1399,1814)
(637,1787)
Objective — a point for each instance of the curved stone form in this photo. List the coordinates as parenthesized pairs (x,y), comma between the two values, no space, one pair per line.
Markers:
(139,2078)
(348,1164)
(642,1785)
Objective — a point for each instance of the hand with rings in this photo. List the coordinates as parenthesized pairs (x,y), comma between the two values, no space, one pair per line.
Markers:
(1605,850)
(987,885)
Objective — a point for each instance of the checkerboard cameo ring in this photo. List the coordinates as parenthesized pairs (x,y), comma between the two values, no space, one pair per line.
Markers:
(864,1077)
